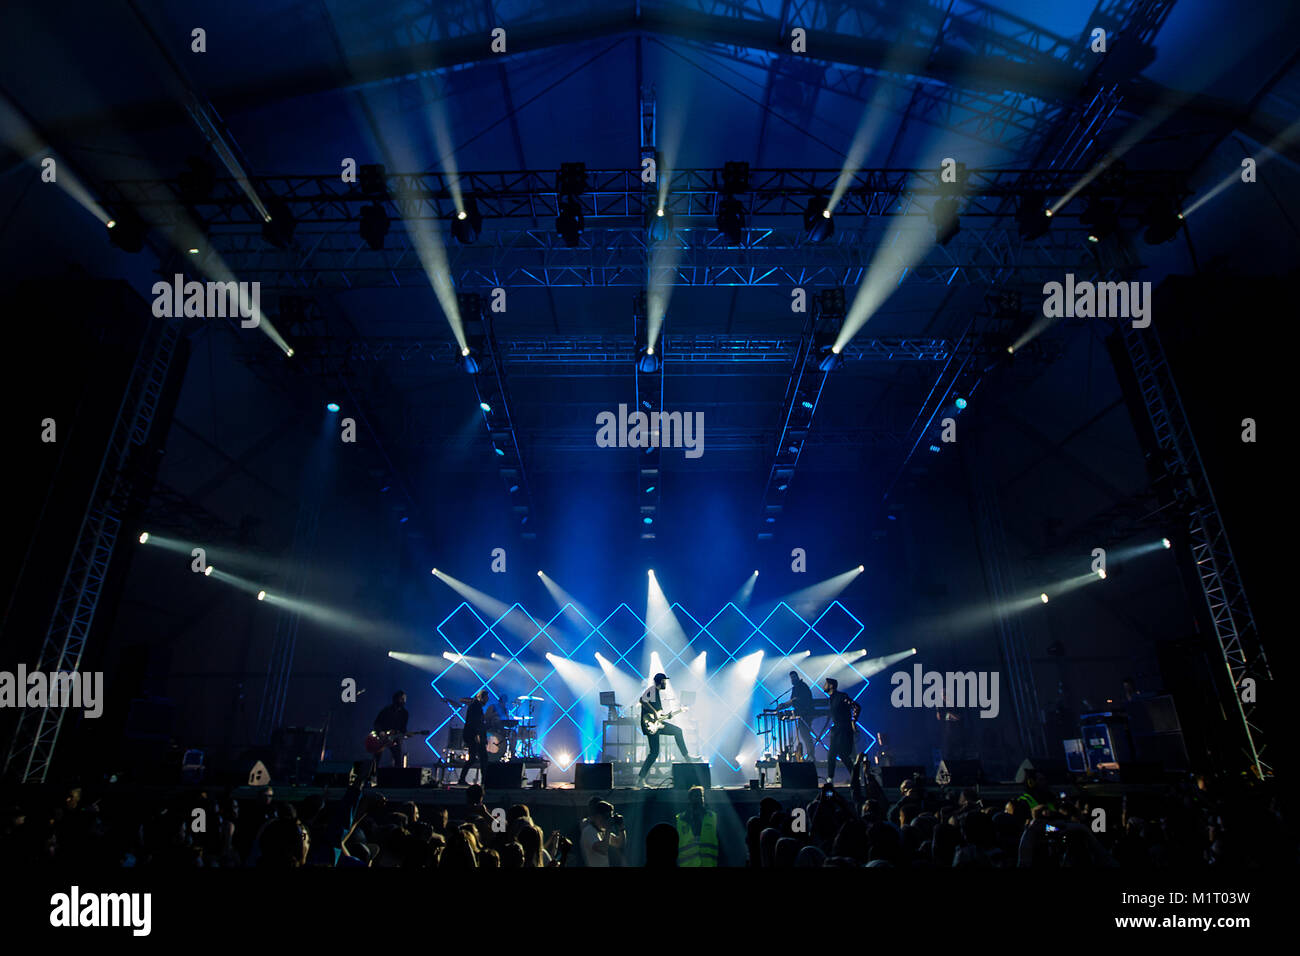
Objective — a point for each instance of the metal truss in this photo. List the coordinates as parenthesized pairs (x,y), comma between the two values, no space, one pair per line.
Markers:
(649,400)
(494,402)
(31,751)
(803,394)
(1000,583)
(316,199)
(1230,615)
(537,258)
(492,654)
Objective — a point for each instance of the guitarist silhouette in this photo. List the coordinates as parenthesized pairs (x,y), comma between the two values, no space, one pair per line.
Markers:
(654,722)
(393,719)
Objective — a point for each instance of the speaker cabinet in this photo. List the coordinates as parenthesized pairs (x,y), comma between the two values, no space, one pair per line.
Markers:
(798,775)
(504,776)
(959,773)
(593,776)
(404,777)
(687,775)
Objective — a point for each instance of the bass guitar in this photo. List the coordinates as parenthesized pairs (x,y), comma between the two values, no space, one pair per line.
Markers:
(652,721)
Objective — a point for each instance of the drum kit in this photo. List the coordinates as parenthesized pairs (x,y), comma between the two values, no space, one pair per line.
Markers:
(514,738)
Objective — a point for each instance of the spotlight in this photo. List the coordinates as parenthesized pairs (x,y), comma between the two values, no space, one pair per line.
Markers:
(1043,597)
(261,596)
(280,224)
(564,758)
(817,220)
(498,449)
(207,572)
(1167,543)
(1100,218)
(144,537)
(943,215)
(807,404)
(487,409)
(861,567)
(648,520)
(731,218)
(755,574)
(373,180)
(1162,221)
(1031,218)
(935,449)
(647,361)
(1101,573)
(659,226)
(539,574)
(651,572)
(434,571)
(569,223)
(332,407)
(127,230)
(374,225)
(829,358)
(468,222)
(469,361)
(960,403)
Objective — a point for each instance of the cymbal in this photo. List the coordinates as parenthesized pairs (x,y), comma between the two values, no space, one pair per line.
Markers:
(526,697)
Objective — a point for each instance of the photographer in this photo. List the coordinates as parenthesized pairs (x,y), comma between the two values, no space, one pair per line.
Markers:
(557,849)
(603,836)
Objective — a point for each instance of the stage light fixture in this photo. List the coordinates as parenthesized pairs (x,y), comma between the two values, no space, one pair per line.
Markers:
(374,226)
(1167,543)
(1032,219)
(944,217)
(647,361)
(861,568)
(373,180)
(731,218)
(1043,597)
(659,224)
(1162,221)
(261,596)
(207,572)
(468,222)
(569,223)
(1100,218)
(651,572)
(127,230)
(280,224)
(469,361)
(829,358)
(935,449)
(487,409)
(817,220)
(1101,573)
(144,537)
(434,571)
(332,407)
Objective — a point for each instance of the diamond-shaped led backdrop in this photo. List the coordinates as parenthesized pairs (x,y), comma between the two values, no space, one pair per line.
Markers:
(554,659)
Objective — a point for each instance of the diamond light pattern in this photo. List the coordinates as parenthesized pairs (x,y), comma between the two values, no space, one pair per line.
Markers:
(568,718)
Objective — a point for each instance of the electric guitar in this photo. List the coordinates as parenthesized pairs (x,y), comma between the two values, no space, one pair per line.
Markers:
(377,741)
(652,721)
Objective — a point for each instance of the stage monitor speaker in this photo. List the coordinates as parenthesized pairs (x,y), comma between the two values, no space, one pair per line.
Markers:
(895,774)
(687,775)
(593,776)
(1049,769)
(333,773)
(404,777)
(504,776)
(455,738)
(959,773)
(798,775)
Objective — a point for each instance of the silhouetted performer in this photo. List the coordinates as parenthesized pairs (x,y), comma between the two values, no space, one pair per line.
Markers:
(801,699)
(840,742)
(393,719)
(652,707)
(475,735)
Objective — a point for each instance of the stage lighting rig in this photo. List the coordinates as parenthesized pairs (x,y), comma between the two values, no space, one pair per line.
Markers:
(731,218)
(817,219)
(569,223)
(659,224)
(127,230)
(373,180)
(374,225)
(278,229)
(1033,217)
(1162,220)
(1100,218)
(468,222)
(945,219)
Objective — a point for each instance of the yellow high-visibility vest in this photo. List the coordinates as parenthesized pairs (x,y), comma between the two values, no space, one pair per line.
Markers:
(701,850)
